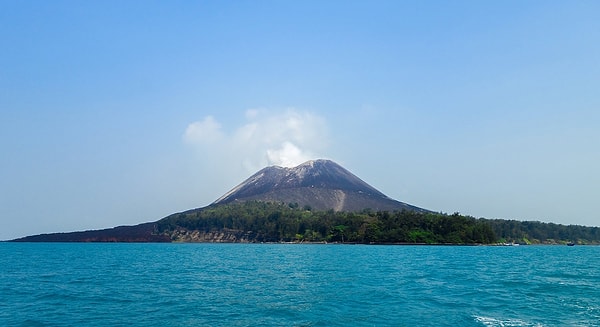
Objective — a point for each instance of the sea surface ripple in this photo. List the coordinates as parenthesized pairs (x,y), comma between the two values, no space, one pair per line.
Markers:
(62,284)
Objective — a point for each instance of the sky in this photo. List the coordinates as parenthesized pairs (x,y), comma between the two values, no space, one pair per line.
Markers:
(123,112)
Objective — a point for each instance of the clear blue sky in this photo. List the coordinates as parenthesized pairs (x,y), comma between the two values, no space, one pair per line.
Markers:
(122,112)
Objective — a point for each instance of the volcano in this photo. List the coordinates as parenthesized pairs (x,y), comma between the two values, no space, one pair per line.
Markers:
(318,184)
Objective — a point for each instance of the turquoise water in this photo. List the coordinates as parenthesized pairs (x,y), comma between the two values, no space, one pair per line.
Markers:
(59,284)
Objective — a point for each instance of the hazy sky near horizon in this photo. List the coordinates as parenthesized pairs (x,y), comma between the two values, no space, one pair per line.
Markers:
(122,112)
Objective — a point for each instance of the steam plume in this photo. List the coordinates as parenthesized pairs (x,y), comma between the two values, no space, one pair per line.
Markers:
(285,138)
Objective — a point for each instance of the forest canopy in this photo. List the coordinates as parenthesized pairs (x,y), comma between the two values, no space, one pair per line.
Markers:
(280,222)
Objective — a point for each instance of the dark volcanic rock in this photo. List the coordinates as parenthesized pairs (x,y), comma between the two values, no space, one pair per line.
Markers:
(138,233)
(320,184)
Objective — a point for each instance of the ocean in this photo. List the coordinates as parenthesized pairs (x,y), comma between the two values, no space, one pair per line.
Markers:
(119,284)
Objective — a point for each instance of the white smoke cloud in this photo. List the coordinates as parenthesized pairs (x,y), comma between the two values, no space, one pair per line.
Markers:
(289,155)
(207,130)
(286,138)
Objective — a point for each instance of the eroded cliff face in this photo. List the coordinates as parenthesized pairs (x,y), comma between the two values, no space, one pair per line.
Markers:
(222,236)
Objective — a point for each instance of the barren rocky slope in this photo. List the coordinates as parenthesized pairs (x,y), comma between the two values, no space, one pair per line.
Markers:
(319,184)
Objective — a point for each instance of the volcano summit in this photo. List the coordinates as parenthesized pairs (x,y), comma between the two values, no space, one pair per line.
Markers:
(318,184)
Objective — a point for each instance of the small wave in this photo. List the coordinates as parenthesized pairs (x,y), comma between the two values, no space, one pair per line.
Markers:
(494,322)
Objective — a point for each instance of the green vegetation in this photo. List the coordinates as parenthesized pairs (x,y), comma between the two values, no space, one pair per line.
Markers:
(535,232)
(280,222)
(276,222)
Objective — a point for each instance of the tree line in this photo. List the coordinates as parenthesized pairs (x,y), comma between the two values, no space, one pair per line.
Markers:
(535,232)
(279,222)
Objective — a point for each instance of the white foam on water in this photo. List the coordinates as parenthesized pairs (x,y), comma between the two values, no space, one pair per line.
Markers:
(494,322)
